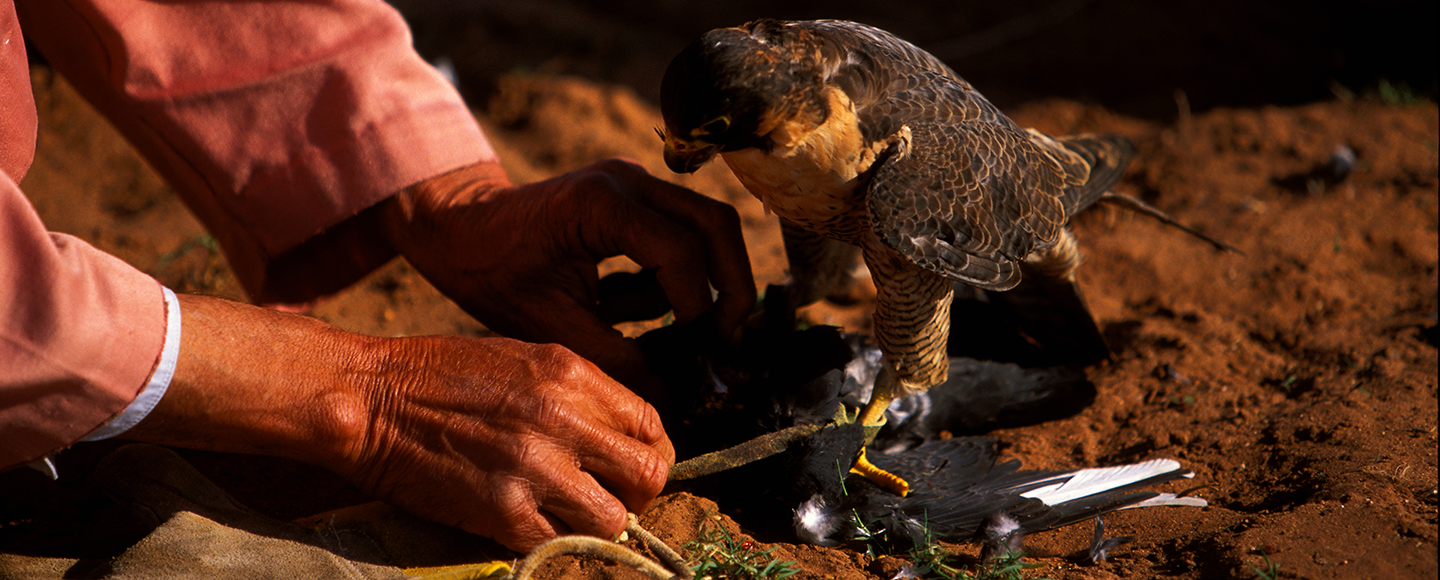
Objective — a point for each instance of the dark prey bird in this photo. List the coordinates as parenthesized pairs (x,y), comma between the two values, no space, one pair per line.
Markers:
(863,143)
(960,494)
(779,377)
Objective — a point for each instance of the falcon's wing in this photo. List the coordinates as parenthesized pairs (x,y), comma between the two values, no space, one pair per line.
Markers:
(971,194)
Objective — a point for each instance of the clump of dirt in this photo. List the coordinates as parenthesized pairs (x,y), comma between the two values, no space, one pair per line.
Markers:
(1298,380)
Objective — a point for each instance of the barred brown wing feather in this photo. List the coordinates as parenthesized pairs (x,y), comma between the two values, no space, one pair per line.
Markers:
(968,200)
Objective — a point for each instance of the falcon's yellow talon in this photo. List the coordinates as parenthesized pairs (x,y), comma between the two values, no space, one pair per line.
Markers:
(873,415)
(880,477)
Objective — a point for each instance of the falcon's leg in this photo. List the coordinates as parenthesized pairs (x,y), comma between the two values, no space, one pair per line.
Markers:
(1057,262)
(819,266)
(912,326)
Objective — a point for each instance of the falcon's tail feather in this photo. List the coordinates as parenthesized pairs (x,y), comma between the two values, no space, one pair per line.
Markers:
(1107,156)
(1141,207)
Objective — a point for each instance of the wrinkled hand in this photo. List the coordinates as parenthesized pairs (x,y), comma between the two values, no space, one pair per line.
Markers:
(514,441)
(511,440)
(522,259)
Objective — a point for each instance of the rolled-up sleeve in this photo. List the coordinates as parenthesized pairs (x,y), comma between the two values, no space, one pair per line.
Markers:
(279,123)
(80,333)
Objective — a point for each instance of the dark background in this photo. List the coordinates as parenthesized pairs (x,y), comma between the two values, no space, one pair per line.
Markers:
(1131,56)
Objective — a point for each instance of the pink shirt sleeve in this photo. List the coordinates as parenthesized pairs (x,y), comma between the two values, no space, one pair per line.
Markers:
(279,123)
(80,332)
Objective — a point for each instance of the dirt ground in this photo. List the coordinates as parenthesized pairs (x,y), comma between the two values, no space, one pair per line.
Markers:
(1297,380)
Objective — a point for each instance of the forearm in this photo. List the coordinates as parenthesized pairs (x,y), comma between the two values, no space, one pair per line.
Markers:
(253,380)
(409,218)
(275,122)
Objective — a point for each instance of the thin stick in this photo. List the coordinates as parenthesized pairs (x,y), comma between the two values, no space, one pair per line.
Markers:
(753,450)
(673,559)
(1143,208)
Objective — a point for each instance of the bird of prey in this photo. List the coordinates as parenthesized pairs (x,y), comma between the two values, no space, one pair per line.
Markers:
(863,143)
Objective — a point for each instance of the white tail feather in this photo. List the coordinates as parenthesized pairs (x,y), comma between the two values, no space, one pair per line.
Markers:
(1171,500)
(1088,482)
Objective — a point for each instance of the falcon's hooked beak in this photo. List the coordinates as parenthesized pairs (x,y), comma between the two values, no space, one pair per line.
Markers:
(686,156)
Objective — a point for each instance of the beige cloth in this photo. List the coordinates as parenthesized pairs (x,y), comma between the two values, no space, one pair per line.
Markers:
(196,530)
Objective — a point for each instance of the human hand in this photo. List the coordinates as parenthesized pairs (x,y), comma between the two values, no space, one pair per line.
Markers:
(522,259)
(511,440)
(515,441)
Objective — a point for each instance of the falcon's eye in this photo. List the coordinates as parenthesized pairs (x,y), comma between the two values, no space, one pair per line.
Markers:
(713,127)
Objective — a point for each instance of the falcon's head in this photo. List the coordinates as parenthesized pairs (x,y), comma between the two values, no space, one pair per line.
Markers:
(728,90)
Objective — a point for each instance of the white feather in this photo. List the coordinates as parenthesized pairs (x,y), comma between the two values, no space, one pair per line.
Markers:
(907,571)
(815,522)
(1088,482)
(1170,499)
(1002,525)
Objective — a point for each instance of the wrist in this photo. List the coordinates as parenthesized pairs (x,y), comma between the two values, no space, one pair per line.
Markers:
(409,218)
(253,380)
(153,391)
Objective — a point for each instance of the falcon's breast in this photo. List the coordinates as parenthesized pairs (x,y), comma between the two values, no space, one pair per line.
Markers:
(813,176)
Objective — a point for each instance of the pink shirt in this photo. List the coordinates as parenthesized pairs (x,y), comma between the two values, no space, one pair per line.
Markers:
(278,124)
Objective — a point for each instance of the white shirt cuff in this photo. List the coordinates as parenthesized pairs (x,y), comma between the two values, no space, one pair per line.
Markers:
(159,380)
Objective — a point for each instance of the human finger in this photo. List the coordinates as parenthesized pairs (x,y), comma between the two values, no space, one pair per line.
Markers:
(634,460)
(675,253)
(718,224)
(572,499)
(514,518)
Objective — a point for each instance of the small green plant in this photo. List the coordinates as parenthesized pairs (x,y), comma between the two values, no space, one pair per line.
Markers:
(1395,94)
(1271,570)
(930,559)
(717,556)
(1007,567)
(205,241)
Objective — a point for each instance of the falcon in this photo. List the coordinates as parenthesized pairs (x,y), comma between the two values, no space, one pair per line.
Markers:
(864,144)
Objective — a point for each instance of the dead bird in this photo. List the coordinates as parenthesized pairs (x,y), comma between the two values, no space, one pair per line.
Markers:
(960,493)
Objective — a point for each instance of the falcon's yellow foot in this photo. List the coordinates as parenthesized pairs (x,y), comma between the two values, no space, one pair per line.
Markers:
(880,477)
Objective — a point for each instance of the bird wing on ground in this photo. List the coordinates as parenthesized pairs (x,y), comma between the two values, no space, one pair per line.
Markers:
(956,486)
